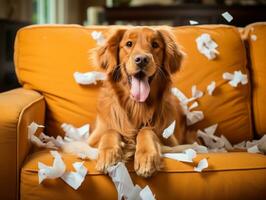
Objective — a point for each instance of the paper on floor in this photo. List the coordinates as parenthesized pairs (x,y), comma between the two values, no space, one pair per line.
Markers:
(227,16)
(211,87)
(75,179)
(169,130)
(236,78)
(207,46)
(98,37)
(187,156)
(55,171)
(76,134)
(89,77)
(203,164)
(193,22)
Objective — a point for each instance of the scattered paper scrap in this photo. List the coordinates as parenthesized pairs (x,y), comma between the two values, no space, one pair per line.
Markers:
(253,149)
(203,164)
(194,117)
(98,37)
(211,87)
(195,92)
(193,22)
(77,134)
(55,171)
(180,95)
(75,179)
(187,156)
(89,77)
(146,194)
(236,78)
(169,130)
(253,37)
(227,16)
(207,46)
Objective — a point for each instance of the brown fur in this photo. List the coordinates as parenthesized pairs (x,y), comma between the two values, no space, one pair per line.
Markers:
(125,127)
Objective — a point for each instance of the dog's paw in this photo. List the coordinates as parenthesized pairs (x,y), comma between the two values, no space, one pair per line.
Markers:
(147,162)
(108,157)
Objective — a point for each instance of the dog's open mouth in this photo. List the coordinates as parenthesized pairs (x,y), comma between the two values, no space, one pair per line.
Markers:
(140,86)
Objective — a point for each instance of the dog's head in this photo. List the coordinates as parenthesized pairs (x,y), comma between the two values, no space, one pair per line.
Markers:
(135,57)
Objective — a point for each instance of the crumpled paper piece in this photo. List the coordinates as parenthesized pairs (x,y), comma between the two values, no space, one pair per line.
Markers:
(89,77)
(75,179)
(75,134)
(187,156)
(236,78)
(193,22)
(146,194)
(51,172)
(207,46)
(169,130)
(203,164)
(192,117)
(124,185)
(98,37)
(211,88)
(228,17)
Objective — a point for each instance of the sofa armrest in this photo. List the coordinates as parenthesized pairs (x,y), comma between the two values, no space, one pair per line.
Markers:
(18,108)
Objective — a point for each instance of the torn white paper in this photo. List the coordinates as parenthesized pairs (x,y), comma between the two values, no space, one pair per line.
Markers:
(207,46)
(77,134)
(227,16)
(236,78)
(98,37)
(187,156)
(202,165)
(180,95)
(32,128)
(146,194)
(75,179)
(193,22)
(194,117)
(253,149)
(89,77)
(253,37)
(55,171)
(169,130)
(134,194)
(241,145)
(211,87)
(195,92)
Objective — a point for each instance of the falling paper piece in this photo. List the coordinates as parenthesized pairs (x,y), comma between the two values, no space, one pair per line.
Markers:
(193,22)
(202,165)
(76,134)
(253,37)
(169,130)
(227,16)
(207,46)
(55,171)
(187,156)
(211,87)
(146,194)
(75,179)
(253,149)
(89,77)
(98,36)
(235,78)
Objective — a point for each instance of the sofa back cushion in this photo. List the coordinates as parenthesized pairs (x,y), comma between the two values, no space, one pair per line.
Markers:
(255,35)
(47,56)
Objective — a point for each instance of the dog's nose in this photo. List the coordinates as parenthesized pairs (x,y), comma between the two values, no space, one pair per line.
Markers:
(141,60)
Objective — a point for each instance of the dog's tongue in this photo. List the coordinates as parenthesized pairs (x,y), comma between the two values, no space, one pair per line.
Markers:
(140,89)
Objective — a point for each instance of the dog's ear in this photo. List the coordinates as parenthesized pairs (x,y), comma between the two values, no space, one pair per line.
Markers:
(172,55)
(107,56)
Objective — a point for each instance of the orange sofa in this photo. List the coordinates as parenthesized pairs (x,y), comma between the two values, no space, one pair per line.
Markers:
(46,58)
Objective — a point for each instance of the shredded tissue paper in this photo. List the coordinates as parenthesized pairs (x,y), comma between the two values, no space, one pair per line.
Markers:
(169,130)
(235,78)
(98,37)
(89,77)
(211,87)
(207,46)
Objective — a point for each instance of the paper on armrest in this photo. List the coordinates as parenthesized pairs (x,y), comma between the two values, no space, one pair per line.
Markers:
(89,77)
(202,165)
(187,156)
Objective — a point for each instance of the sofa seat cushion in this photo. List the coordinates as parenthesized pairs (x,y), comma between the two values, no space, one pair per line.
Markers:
(229,176)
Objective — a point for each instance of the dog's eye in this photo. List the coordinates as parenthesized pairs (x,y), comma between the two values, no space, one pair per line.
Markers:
(154,45)
(129,44)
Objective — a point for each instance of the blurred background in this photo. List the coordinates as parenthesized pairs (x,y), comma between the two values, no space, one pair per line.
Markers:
(15,14)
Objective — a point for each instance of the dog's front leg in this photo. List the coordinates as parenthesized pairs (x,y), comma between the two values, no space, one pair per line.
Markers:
(148,153)
(110,151)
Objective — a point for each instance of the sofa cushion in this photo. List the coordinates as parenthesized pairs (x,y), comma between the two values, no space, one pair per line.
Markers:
(47,56)
(228,106)
(229,176)
(256,41)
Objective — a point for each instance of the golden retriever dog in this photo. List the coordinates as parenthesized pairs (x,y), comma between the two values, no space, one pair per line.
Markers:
(135,103)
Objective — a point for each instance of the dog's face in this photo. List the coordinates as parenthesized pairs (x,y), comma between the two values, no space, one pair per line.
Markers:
(136,55)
